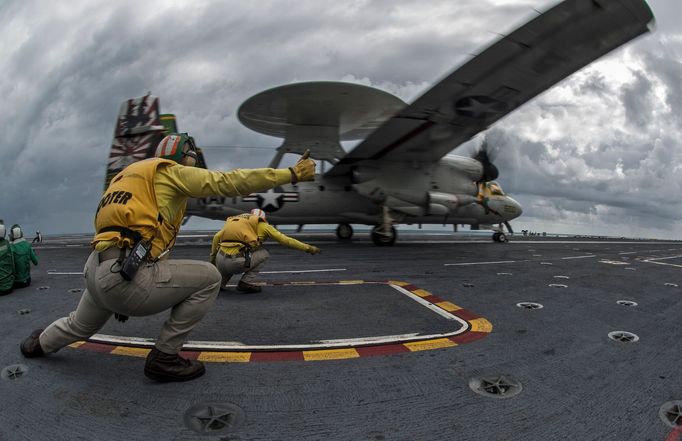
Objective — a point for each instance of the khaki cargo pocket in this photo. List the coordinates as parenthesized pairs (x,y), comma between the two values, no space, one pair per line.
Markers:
(108,280)
(164,274)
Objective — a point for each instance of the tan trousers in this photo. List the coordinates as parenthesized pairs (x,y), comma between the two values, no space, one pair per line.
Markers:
(187,287)
(229,265)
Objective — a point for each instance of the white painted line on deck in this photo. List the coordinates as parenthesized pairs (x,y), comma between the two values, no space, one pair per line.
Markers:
(628,252)
(578,257)
(656,261)
(662,258)
(61,273)
(430,305)
(317,344)
(199,345)
(304,271)
(483,263)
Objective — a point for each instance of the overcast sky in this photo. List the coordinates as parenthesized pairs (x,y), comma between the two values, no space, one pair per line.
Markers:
(600,153)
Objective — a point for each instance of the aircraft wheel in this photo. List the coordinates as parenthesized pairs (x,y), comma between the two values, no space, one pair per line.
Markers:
(382,239)
(500,237)
(344,231)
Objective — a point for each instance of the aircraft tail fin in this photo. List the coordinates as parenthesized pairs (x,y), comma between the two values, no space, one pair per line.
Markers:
(139,129)
(137,133)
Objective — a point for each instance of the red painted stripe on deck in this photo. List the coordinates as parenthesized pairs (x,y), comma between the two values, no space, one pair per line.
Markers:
(468,337)
(277,356)
(433,299)
(674,435)
(362,351)
(190,355)
(368,351)
(467,315)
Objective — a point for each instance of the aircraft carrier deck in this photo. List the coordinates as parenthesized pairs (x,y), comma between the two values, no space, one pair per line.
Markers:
(440,337)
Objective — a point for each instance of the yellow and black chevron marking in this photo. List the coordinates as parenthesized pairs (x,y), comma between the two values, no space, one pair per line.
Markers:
(478,327)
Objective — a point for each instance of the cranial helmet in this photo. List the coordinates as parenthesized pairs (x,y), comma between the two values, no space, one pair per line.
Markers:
(15,232)
(171,147)
(258,212)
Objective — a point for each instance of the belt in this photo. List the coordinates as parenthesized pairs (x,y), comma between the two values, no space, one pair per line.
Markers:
(112,253)
(239,254)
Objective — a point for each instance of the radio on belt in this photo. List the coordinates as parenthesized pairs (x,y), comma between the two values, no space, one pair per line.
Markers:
(132,263)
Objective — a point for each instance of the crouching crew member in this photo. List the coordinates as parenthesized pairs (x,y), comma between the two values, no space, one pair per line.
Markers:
(137,222)
(238,248)
(23,255)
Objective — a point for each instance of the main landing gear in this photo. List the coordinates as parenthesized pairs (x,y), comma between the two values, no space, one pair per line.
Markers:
(381,234)
(382,237)
(385,234)
(344,231)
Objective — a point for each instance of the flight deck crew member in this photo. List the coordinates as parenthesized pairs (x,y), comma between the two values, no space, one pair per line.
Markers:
(6,264)
(23,255)
(144,205)
(238,248)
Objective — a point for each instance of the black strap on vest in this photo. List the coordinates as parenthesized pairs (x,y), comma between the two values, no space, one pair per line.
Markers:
(125,232)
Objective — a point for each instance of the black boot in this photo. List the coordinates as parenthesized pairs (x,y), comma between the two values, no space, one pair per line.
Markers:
(171,367)
(31,346)
(223,283)
(247,287)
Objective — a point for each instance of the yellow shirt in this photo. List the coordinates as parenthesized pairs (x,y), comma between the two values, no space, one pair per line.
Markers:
(174,184)
(265,230)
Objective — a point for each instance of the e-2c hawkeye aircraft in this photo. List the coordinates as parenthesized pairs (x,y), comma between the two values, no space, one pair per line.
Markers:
(401,171)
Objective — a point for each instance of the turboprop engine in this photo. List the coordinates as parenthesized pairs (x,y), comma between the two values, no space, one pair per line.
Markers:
(414,203)
(434,203)
(421,189)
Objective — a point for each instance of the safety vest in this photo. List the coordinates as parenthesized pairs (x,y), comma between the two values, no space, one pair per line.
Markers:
(23,254)
(6,266)
(242,229)
(130,202)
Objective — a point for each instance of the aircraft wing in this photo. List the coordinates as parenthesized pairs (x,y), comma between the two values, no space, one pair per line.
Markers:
(510,72)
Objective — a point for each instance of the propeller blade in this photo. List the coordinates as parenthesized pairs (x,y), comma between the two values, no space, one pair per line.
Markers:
(490,172)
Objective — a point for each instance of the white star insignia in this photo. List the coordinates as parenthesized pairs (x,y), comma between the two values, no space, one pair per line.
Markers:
(269,198)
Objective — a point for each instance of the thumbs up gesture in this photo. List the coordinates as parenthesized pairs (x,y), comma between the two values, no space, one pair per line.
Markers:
(304,169)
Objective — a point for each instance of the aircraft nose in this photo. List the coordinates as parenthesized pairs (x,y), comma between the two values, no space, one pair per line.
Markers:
(517,210)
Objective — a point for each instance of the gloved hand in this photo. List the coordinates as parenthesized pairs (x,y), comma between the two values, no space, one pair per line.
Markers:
(120,317)
(312,249)
(304,169)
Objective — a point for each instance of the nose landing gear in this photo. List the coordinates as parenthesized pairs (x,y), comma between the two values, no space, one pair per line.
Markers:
(500,237)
